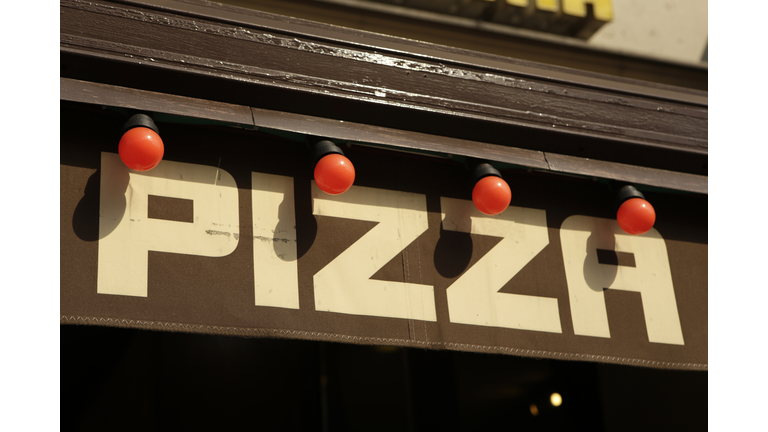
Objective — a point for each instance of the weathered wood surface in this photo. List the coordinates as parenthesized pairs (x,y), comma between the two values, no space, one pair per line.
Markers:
(107,95)
(249,58)
(384,43)
(124,97)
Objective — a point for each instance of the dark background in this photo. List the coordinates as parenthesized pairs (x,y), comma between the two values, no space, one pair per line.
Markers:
(125,379)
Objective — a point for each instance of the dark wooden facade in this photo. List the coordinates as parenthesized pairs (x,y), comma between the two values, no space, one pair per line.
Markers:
(510,111)
(259,74)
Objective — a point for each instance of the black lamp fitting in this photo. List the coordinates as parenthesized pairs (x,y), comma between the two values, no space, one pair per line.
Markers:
(480,169)
(626,192)
(323,148)
(140,120)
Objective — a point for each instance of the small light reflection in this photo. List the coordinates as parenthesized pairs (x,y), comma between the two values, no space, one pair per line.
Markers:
(556,399)
(534,410)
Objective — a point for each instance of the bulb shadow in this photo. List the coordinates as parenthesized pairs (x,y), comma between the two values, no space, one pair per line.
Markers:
(599,277)
(85,220)
(285,241)
(453,253)
(92,219)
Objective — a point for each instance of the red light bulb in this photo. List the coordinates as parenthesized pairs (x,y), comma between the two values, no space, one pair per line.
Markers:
(334,174)
(636,216)
(141,149)
(491,195)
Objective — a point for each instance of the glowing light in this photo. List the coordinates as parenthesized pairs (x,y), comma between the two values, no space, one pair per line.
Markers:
(636,216)
(491,195)
(556,399)
(141,149)
(534,410)
(334,174)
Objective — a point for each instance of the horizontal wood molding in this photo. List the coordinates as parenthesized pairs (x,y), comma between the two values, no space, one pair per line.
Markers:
(430,51)
(108,95)
(242,57)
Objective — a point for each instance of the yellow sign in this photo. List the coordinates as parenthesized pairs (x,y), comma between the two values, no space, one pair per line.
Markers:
(576,18)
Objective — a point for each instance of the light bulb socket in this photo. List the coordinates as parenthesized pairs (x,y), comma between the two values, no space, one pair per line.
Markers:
(478,170)
(322,149)
(140,120)
(625,193)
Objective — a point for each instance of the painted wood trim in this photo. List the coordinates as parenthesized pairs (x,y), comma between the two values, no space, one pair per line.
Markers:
(107,95)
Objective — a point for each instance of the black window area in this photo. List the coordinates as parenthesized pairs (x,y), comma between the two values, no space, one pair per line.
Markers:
(124,379)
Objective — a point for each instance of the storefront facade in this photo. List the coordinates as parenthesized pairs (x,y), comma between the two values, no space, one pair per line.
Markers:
(230,235)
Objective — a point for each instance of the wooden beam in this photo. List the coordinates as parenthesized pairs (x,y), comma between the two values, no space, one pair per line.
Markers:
(107,95)
(244,57)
